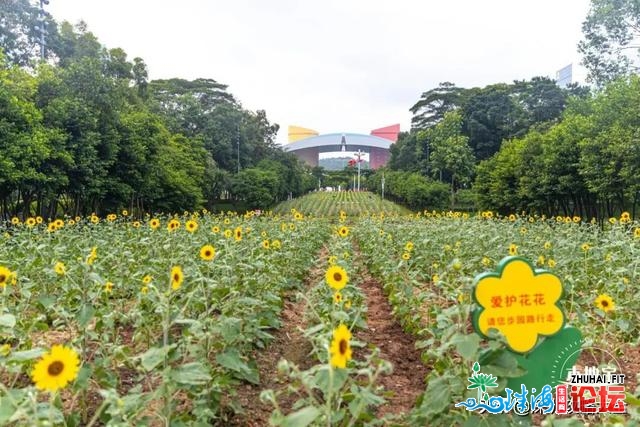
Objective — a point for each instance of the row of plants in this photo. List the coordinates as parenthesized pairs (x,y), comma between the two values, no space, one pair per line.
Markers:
(123,322)
(428,262)
(329,204)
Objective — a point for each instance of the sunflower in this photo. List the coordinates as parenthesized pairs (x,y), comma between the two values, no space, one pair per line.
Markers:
(136,224)
(512,217)
(71,222)
(265,244)
(5,349)
(144,290)
(576,219)
(340,350)
(56,369)
(547,245)
(435,278)
(636,233)
(215,229)
(551,263)
(541,260)
(406,256)
(191,226)
(513,249)
(585,247)
(176,277)
(59,268)
(408,247)
(111,217)
(51,227)
(207,252)
(59,223)
(227,221)
(5,275)
(125,213)
(625,217)
(92,256)
(336,277)
(613,220)
(605,303)
(173,225)
(147,279)
(347,304)
(523,230)
(39,220)
(108,287)
(337,298)
(332,260)
(237,234)
(94,219)
(298,216)
(228,234)
(30,222)
(276,244)
(154,223)
(15,220)
(343,231)
(292,227)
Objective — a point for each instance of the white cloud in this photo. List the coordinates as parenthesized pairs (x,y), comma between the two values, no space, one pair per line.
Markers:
(338,65)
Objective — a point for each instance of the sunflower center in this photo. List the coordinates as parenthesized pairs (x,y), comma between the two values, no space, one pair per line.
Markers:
(337,277)
(605,303)
(207,253)
(2,278)
(55,368)
(343,346)
(176,277)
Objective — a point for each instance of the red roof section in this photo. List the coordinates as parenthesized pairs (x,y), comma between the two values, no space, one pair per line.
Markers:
(389,132)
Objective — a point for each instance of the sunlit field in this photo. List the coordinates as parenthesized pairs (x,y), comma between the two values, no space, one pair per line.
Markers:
(203,319)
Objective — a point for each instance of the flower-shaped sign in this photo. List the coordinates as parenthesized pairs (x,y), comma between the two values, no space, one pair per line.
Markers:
(520,302)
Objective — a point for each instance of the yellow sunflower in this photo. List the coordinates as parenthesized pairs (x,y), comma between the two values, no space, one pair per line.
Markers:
(51,227)
(154,223)
(5,275)
(56,369)
(147,279)
(332,260)
(486,261)
(585,247)
(59,268)
(228,234)
(636,233)
(108,287)
(92,256)
(125,213)
(513,249)
(276,244)
(111,217)
(547,245)
(39,220)
(191,226)
(337,298)
(30,222)
(605,303)
(408,247)
(298,216)
(215,229)
(227,221)
(406,256)
(343,231)
(173,225)
(15,220)
(237,234)
(265,244)
(94,219)
(551,263)
(176,277)
(340,349)
(347,304)
(207,252)
(336,277)
(136,224)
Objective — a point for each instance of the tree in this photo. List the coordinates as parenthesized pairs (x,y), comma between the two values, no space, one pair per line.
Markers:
(435,103)
(611,39)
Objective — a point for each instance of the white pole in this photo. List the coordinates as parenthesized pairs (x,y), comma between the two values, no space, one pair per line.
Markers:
(359,169)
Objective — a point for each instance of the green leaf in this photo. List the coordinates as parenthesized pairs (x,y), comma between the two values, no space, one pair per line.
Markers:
(191,374)
(466,345)
(154,356)
(85,315)
(438,396)
(302,417)
(21,356)
(8,320)
(232,360)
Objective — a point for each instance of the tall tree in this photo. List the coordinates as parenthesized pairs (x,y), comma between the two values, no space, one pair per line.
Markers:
(611,44)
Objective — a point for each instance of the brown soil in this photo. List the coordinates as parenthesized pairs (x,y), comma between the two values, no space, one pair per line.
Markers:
(289,344)
(406,382)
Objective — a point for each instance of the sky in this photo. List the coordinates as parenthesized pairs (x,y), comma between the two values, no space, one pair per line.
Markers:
(338,65)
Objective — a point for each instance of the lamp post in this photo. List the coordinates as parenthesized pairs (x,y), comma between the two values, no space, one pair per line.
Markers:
(359,154)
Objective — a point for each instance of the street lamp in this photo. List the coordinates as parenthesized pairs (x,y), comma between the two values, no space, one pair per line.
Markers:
(42,27)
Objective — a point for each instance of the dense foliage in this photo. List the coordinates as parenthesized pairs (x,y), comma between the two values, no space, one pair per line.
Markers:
(87,132)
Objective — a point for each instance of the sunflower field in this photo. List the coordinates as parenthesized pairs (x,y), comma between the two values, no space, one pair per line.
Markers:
(334,309)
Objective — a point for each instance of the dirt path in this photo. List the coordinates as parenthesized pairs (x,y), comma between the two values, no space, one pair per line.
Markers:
(406,382)
(289,344)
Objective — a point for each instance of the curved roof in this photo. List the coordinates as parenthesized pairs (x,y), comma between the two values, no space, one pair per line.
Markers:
(335,140)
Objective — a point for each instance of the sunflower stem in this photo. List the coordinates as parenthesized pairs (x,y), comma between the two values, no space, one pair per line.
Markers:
(329,393)
(96,415)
